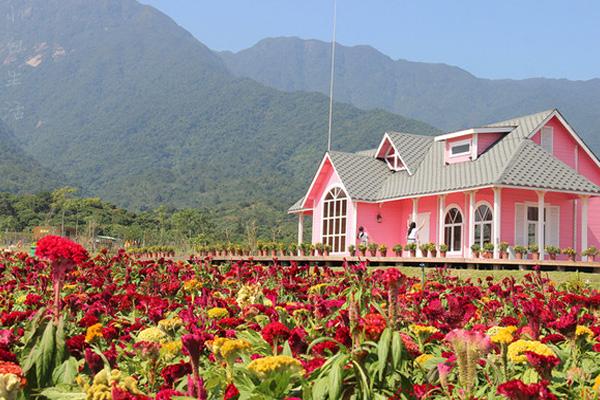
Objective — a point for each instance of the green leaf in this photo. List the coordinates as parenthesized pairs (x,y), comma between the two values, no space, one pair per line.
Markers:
(287,351)
(319,389)
(45,360)
(66,372)
(383,349)
(58,393)
(397,347)
(334,380)
(60,346)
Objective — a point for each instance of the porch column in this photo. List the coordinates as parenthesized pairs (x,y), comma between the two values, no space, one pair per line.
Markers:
(300,231)
(497,222)
(541,222)
(415,209)
(471,226)
(442,208)
(584,223)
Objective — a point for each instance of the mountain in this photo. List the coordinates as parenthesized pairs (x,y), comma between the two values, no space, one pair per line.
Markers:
(442,95)
(18,171)
(130,107)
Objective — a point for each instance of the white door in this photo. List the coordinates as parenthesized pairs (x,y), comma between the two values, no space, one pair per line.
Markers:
(423,222)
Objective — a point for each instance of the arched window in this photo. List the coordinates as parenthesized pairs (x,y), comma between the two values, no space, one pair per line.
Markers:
(335,208)
(483,225)
(453,224)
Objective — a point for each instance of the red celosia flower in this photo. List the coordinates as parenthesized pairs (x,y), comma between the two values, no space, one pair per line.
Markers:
(553,338)
(373,325)
(275,331)
(424,391)
(167,394)
(313,364)
(410,345)
(567,323)
(58,249)
(172,373)
(517,390)
(542,364)
(231,392)
(76,345)
(120,394)
(6,355)
(296,340)
(7,367)
(326,346)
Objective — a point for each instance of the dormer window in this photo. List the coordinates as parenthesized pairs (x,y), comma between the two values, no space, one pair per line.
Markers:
(393,160)
(462,148)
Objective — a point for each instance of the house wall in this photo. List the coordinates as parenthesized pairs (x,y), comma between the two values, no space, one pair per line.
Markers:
(486,140)
(392,228)
(327,180)
(571,153)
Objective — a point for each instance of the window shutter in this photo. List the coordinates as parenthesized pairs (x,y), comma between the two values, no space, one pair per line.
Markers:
(552,228)
(520,225)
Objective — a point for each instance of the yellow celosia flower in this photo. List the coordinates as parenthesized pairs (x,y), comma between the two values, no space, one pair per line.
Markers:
(21,299)
(422,359)
(416,288)
(248,294)
(584,330)
(217,313)
(516,350)
(70,286)
(266,366)
(101,387)
(233,347)
(170,350)
(424,330)
(318,288)
(502,334)
(216,344)
(152,334)
(192,285)
(596,387)
(10,386)
(229,282)
(93,332)
(170,324)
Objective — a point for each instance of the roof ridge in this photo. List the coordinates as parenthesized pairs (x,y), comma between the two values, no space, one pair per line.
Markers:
(418,135)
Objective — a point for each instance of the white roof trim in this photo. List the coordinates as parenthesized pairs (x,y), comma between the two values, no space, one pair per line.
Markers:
(386,136)
(325,158)
(570,129)
(471,131)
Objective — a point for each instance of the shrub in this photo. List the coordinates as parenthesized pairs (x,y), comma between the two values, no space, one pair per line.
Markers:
(397,248)
(591,251)
(443,247)
(488,247)
(520,249)
(503,246)
(382,248)
(410,247)
(533,248)
(476,248)
(569,251)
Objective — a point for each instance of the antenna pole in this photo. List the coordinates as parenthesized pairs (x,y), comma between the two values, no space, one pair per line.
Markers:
(332,77)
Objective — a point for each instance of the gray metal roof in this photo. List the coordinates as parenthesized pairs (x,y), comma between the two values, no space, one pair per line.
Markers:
(513,160)
(411,148)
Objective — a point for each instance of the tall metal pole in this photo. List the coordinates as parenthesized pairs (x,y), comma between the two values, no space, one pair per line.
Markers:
(332,76)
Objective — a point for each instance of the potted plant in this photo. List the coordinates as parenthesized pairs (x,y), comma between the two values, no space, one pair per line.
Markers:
(570,252)
(383,250)
(432,250)
(534,250)
(320,248)
(475,249)
(327,249)
(293,249)
(273,247)
(412,249)
(591,253)
(519,251)
(373,249)
(424,247)
(306,249)
(398,250)
(443,250)
(488,249)
(552,251)
(503,247)
(362,248)
(283,249)
(352,250)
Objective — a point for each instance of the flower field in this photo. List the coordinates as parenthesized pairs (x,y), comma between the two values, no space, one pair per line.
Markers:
(116,327)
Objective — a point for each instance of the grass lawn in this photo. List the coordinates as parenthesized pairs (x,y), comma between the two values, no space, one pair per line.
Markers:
(591,279)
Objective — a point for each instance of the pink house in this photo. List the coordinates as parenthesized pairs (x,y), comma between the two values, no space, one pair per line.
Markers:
(479,185)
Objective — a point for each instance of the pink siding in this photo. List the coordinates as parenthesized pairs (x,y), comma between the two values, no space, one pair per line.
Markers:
(392,228)
(486,140)
(453,160)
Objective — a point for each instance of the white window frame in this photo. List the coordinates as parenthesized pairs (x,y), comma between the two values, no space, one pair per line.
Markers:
(548,133)
(397,164)
(490,222)
(454,225)
(461,143)
(326,220)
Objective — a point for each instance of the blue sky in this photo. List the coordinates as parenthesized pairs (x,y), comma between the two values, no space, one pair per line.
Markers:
(491,39)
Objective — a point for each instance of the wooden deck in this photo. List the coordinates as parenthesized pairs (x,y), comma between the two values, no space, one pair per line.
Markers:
(479,263)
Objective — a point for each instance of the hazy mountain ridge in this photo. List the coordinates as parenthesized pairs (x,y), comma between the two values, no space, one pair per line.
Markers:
(130,107)
(442,95)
